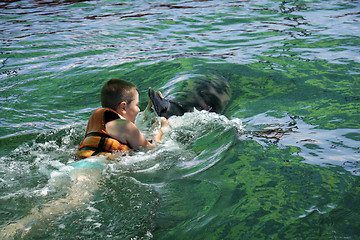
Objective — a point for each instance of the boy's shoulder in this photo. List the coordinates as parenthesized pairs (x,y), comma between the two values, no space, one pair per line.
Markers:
(121,129)
(117,124)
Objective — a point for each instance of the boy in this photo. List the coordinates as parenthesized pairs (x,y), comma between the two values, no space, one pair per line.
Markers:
(111,128)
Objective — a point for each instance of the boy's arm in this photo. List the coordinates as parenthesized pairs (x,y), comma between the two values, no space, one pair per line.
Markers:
(135,138)
(164,123)
(127,132)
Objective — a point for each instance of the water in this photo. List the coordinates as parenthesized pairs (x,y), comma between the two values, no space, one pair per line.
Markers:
(282,161)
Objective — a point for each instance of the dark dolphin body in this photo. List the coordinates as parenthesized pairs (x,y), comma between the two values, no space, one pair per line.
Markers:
(211,94)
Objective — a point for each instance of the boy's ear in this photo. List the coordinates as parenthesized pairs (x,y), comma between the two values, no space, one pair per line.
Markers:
(122,107)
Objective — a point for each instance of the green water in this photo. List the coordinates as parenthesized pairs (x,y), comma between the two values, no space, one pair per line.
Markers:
(281,162)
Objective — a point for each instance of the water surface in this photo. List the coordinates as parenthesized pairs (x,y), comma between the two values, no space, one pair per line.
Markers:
(282,161)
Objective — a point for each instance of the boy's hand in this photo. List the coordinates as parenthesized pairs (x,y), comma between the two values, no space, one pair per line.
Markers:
(160,94)
(149,106)
(164,122)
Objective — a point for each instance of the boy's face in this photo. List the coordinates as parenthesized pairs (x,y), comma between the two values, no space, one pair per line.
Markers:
(132,109)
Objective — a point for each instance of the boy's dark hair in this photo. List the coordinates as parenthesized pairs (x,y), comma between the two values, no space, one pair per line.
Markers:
(116,91)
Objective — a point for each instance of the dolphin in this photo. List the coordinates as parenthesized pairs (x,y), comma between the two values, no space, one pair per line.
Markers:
(210,94)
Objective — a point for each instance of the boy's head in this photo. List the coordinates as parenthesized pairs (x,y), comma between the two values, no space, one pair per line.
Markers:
(116,91)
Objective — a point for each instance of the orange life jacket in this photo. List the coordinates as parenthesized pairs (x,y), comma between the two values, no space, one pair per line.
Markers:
(97,141)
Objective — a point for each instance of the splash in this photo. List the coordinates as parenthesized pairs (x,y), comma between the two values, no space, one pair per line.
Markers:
(45,188)
(64,187)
